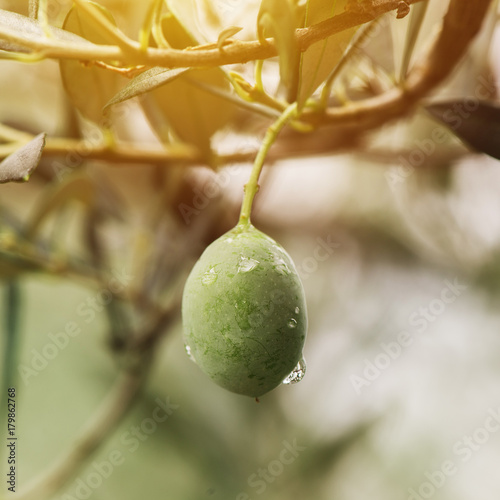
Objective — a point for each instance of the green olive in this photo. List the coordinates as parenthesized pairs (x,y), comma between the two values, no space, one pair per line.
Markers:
(244,312)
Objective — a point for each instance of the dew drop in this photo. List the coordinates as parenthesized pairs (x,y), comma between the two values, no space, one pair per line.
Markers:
(209,277)
(292,323)
(297,310)
(297,373)
(247,264)
(281,267)
(189,353)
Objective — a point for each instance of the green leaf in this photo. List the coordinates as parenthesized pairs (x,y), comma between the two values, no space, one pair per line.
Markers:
(477,123)
(31,30)
(321,58)
(89,87)
(18,166)
(279,19)
(149,80)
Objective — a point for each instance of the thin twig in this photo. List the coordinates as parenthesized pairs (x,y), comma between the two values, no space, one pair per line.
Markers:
(97,430)
(204,55)
(461,24)
(108,415)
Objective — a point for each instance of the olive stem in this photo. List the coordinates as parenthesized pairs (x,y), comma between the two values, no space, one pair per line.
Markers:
(252,186)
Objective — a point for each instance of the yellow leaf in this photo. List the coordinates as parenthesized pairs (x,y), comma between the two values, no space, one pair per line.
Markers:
(193,113)
(321,58)
(89,87)
(279,19)
(190,15)
(226,34)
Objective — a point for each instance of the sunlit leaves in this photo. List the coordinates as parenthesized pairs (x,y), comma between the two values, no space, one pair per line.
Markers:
(89,87)
(279,19)
(18,166)
(226,34)
(412,34)
(476,122)
(322,57)
(31,30)
(192,111)
(149,80)
(414,24)
(195,17)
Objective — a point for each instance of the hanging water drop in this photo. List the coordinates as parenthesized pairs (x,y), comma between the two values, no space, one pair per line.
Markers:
(292,323)
(297,310)
(209,277)
(297,373)
(247,264)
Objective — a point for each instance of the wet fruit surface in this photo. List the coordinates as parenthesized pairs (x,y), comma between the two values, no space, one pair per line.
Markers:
(244,312)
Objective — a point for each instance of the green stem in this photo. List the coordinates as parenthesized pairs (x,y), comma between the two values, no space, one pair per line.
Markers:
(252,185)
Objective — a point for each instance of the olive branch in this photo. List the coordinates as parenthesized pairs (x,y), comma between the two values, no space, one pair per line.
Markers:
(461,23)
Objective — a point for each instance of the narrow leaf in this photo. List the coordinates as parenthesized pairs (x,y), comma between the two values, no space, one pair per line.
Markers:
(18,166)
(193,114)
(89,87)
(31,30)
(417,15)
(190,15)
(476,122)
(227,33)
(279,19)
(318,61)
(149,80)
(102,23)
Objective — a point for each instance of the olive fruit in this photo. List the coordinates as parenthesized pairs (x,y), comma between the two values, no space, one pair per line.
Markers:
(244,313)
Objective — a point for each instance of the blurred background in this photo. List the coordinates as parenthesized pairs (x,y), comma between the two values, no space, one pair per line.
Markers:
(396,239)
